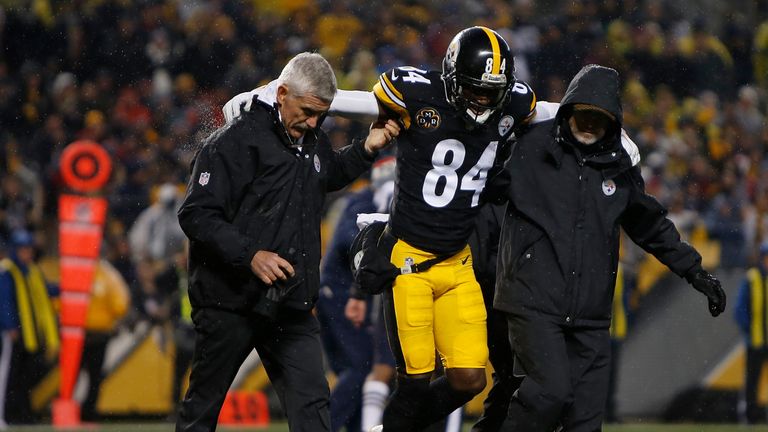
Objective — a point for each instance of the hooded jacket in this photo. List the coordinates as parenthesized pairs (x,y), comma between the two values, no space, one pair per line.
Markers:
(559,246)
(251,190)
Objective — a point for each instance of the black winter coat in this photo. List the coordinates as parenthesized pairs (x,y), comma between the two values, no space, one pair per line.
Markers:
(559,246)
(250,190)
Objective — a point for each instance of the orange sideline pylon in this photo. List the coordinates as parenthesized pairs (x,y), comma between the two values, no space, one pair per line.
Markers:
(85,167)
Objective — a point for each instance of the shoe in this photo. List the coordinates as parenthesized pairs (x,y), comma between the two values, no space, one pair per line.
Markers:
(378,428)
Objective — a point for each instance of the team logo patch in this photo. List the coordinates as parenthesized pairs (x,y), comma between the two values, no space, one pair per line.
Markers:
(317,163)
(505,125)
(204,178)
(428,118)
(609,187)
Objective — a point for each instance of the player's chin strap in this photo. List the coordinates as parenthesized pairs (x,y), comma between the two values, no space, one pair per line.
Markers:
(480,118)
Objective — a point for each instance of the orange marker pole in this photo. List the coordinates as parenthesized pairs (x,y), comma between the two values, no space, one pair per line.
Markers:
(85,168)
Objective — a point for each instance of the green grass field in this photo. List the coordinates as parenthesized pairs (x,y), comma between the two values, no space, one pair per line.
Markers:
(282,427)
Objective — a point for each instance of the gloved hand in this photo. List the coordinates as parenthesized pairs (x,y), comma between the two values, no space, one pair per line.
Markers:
(238,104)
(710,287)
(276,293)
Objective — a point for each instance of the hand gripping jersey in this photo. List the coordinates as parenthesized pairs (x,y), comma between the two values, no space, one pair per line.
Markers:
(442,162)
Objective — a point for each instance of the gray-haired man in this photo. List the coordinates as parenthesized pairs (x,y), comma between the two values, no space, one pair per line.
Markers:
(252,214)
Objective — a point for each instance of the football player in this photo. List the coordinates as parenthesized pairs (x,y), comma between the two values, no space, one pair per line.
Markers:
(455,122)
(458,125)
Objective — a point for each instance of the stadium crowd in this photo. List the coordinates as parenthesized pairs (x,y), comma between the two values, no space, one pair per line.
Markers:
(147,78)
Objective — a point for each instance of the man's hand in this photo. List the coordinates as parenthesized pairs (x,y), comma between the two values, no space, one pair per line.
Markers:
(710,287)
(381,134)
(235,106)
(269,267)
(355,311)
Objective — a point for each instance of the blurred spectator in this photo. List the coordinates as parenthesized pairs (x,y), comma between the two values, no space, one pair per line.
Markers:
(156,235)
(362,74)
(35,332)
(335,29)
(751,316)
(18,208)
(244,73)
(184,330)
(725,222)
(710,62)
(8,330)
(760,56)
(46,141)
(109,303)
(685,219)
(747,112)
(132,195)
(349,345)
(756,224)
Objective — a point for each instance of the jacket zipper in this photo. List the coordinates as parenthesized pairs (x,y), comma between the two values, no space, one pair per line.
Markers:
(576,255)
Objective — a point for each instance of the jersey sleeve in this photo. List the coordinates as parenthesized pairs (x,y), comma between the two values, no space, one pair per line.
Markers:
(523,102)
(389,93)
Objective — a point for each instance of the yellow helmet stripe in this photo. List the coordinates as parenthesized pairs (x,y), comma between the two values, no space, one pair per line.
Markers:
(495,48)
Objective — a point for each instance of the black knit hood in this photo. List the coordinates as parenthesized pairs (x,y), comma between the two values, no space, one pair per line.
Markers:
(594,85)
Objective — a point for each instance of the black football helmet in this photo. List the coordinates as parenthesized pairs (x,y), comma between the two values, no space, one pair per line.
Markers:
(478,71)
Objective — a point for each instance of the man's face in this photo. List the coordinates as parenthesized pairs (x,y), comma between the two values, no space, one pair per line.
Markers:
(299,113)
(26,254)
(589,125)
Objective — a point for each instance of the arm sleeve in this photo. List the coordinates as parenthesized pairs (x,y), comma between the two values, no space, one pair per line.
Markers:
(346,164)
(391,99)
(355,105)
(219,178)
(545,111)
(645,222)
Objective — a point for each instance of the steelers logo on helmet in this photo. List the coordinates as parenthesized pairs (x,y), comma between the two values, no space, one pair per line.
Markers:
(478,72)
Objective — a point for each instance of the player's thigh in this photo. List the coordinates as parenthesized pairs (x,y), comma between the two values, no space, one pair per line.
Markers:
(410,317)
(460,322)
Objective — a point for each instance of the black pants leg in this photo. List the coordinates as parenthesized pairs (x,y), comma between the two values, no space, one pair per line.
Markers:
(223,341)
(610,405)
(27,369)
(292,355)
(566,375)
(496,404)
(94,349)
(184,336)
(546,389)
(589,354)
(755,360)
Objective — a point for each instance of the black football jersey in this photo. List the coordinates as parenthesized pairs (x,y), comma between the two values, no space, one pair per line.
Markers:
(442,162)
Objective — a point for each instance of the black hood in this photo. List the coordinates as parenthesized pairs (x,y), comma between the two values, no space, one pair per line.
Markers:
(594,85)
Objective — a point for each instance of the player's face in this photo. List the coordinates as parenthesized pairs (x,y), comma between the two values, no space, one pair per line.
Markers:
(479,99)
(299,113)
(589,126)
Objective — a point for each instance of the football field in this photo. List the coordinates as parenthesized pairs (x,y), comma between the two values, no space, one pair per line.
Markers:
(282,427)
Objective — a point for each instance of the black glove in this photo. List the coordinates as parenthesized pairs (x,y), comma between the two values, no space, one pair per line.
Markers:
(708,285)
(268,305)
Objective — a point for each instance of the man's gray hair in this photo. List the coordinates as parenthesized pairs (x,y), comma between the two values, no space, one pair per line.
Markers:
(309,74)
